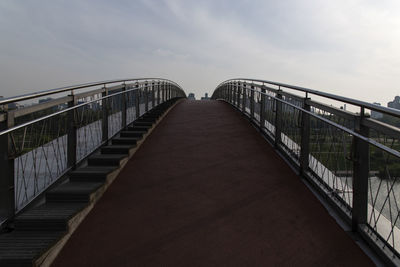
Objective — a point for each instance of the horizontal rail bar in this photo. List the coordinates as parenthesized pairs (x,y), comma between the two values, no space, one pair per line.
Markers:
(8,100)
(386,110)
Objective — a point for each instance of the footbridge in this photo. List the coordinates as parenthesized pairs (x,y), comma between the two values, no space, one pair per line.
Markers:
(131,173)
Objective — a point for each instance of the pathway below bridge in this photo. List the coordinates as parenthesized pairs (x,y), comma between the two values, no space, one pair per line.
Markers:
(205,189)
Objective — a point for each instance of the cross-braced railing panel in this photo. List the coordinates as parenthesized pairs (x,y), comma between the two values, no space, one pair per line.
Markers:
(353,159)
(40,156)
(38,150)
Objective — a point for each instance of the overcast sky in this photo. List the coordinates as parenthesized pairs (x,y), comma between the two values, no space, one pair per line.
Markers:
(349,47)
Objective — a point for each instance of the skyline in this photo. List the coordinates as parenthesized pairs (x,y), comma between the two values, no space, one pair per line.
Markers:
(347,47)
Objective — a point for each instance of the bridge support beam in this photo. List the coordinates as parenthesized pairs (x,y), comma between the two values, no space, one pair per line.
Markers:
(360,175)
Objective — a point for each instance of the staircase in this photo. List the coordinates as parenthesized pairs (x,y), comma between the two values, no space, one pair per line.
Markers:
(41,231)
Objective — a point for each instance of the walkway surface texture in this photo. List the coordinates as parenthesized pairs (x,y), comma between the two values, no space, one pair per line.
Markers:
(205,189)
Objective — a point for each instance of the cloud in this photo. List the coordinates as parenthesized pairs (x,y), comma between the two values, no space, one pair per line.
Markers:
(345,47)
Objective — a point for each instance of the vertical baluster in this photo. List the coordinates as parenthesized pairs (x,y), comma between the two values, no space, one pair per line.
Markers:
(262,108)
(244,98)
(7,177)
(106,113)
(72,132)
(158,93)
(360,174)
(252,102)
(305,138)
(137,100)
(124,109)
(278,118)
(153,95)
(146,96)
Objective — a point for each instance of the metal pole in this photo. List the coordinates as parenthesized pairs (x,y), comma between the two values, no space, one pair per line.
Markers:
(158,93)
(7,189)
(360,175)
(153,95)
(278,118)
(137,100)
(105,103)
(305,138)
(244,98)
(72,133)
(146,97)
(124,109)
(262,108)
(237,95)
(252,102)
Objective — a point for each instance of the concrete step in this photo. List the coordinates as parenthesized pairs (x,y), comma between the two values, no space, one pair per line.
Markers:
(106,159)
(117,149)
(21,248)
(148,118)
(125,140)
(72,192)
(142,123)
(132,133)
(91,173)
(48,217)
(138,128)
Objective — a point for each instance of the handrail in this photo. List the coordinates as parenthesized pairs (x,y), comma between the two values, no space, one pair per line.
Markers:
(12,99)
(386,110)
(339,155)
(62,111)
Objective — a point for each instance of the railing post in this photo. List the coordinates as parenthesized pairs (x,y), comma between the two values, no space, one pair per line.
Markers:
(146,97)
(153,94)
(72,134)
(158,93)
(163,92)
(105,107)
(237,95)
(124,109)
(360,175)
(137,100)
(278,118)
(262,108)
(244,98)
(305,138)
(7,178)
(252,102)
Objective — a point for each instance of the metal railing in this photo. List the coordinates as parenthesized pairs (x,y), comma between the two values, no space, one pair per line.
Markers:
(40,143)
(351,158)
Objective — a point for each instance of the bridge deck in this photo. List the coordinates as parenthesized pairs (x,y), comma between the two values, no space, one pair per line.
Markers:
(206,189)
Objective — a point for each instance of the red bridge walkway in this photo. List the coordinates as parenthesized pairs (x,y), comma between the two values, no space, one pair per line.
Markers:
(205,189)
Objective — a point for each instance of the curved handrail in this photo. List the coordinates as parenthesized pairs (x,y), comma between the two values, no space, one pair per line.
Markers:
(12,99)
(363,104)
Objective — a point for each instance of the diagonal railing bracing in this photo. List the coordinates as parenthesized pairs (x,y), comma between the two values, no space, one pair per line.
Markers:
(352,158)
(39,143)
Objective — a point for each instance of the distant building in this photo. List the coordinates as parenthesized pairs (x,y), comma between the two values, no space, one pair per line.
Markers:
(395,103)
(10,106)
(191,96)
(43,100)
(205,97)
(376,115)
